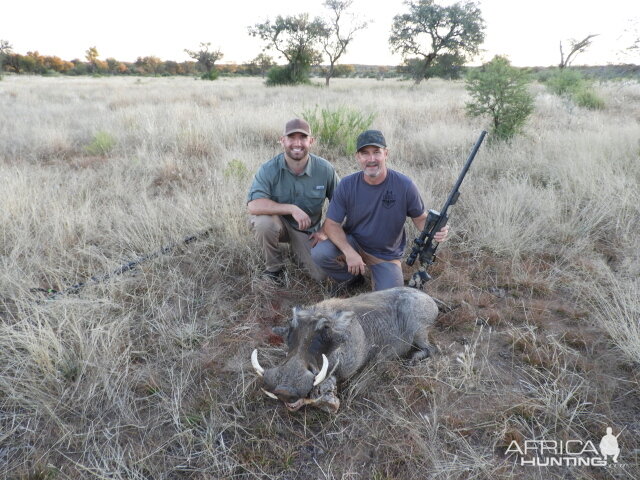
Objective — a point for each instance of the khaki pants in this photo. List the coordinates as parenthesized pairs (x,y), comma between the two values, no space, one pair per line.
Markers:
(270,230)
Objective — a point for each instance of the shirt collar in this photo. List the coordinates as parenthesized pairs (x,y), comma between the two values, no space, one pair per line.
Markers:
(308,170)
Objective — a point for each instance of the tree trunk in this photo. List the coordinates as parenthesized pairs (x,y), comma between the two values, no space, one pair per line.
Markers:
(329,75)
(423,68)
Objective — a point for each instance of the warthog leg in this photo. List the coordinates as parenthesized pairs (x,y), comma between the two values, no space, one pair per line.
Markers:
(421,343)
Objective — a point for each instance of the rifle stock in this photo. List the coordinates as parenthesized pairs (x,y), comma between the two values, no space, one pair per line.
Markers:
(425,246)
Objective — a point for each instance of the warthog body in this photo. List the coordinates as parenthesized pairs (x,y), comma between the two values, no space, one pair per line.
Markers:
(348,333)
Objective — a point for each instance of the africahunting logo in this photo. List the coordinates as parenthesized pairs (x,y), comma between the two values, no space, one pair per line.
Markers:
(549,453)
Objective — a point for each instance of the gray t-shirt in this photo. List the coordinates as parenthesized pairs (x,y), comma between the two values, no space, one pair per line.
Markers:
(375,214)
(308,190)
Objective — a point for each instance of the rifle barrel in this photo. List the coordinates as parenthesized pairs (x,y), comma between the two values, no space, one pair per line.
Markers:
(454,190)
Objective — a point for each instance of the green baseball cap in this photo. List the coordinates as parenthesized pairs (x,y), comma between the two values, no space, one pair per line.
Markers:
(370,137)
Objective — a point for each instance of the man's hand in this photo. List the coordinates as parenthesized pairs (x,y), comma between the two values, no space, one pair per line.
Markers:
(316,237)
(304,222)
(355,264)
(442,235)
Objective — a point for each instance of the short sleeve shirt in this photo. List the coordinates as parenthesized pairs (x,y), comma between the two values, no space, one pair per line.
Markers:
(375,214)
(308,190)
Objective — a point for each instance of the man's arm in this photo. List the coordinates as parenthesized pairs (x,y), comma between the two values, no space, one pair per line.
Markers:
(440,236)
(336,234)
(265,206)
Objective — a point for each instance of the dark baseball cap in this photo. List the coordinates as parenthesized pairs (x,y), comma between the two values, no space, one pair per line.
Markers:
(297,125)
(370,137)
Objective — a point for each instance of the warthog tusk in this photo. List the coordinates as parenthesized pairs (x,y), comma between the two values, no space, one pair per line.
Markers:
(323,371)
(255,363)
(269,394)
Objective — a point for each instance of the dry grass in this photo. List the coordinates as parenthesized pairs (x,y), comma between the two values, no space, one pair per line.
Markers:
(146,375)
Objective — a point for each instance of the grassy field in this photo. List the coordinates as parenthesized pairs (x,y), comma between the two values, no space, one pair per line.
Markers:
(146,375)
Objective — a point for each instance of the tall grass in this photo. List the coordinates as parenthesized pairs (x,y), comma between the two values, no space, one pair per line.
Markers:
(146,375)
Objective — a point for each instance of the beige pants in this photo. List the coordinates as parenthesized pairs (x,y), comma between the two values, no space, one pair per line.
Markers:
(270,230)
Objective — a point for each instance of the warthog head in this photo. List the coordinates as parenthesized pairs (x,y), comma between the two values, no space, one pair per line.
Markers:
(311,336)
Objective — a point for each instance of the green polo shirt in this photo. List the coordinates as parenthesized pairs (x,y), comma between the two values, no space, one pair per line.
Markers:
(308,190)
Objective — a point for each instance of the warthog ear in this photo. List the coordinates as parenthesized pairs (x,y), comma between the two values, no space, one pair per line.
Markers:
(341,321)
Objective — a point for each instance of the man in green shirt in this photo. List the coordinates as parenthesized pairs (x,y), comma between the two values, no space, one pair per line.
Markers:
(286,198)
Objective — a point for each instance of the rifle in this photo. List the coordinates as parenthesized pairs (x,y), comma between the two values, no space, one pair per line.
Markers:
(424,245)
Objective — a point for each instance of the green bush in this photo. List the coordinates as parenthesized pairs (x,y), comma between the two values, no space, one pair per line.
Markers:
(102,144)
(287,75)
(338,129)
(212,75)
(565,82)
(587,98)
(235,169)
(500,91)
(573,85)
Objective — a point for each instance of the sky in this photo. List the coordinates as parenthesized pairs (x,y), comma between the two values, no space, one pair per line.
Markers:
(527,31)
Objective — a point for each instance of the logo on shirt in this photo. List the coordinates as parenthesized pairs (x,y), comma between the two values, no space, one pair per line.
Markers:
(388,199)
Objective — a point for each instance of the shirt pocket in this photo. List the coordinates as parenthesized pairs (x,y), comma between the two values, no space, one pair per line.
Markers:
(283,194)
(314,200)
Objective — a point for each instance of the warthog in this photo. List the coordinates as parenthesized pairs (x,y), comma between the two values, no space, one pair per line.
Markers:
(331,341)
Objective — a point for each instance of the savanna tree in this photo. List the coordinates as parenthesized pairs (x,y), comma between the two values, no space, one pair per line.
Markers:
(92,57)
(575,47)
(5,49)
(340,34)
(206,59)
(446,65)
(262,63)
(430,30)
(149,65)
(500,92)
(296,38)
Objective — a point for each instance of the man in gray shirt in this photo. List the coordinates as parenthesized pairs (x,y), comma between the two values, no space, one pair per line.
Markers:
(286,198)
(365,219)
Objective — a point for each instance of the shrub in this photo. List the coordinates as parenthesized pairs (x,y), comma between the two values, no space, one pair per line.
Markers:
(212,75)
(565,82)
(500,91)
(235,169)
(338,128)
(587,98)
(287,75)
(102,143)
(571,84)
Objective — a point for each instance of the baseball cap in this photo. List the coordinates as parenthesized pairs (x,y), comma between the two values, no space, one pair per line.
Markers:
(297,125)
(370,137)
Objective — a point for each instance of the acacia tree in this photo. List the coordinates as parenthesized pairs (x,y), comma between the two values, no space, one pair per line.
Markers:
(430,30)
(296,38)
(206,60)
(575,47)
(339,36)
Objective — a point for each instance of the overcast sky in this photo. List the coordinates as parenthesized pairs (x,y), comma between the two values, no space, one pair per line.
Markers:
(527,31)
